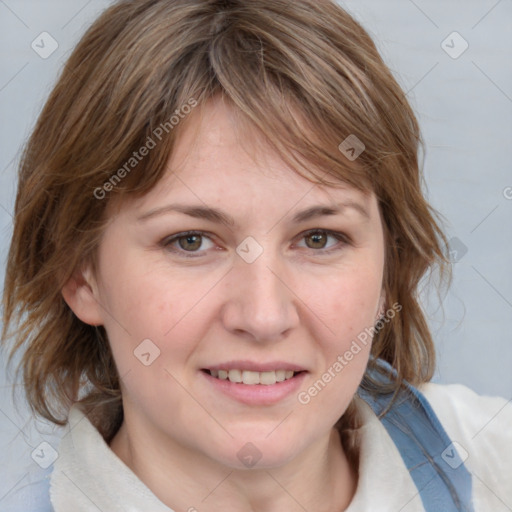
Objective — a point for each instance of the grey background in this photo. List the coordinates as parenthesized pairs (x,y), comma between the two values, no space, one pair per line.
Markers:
(464,107)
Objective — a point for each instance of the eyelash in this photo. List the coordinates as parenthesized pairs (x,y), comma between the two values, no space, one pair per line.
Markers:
(166,242)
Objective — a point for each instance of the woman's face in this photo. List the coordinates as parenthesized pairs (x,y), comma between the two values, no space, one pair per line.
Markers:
(279,276)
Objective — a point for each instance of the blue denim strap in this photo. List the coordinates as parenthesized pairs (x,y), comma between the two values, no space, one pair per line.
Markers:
(443,483)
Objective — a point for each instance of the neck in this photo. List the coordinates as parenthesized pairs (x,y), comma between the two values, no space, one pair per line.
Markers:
(321,478)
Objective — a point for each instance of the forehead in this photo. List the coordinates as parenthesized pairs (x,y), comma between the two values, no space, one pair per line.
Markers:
(221,161)
(217,144)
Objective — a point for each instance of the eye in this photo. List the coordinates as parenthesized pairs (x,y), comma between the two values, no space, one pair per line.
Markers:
(318,240)
(188,242)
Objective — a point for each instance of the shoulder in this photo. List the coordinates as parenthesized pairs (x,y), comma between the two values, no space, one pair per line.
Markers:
(480,428)
(466,414)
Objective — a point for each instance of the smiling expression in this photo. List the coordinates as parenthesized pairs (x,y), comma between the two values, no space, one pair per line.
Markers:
(249,281)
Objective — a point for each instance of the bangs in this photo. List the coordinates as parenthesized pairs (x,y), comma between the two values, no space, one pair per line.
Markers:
(309,99)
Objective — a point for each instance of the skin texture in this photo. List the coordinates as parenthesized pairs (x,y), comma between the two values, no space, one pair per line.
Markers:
(296,303)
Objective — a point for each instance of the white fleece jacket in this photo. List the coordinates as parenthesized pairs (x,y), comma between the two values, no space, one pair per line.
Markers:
(89,477)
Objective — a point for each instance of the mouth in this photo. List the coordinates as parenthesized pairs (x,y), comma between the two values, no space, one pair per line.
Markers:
(253,378)
(255,384)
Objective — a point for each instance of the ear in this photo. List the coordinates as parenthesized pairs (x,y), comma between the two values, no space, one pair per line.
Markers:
(81,295)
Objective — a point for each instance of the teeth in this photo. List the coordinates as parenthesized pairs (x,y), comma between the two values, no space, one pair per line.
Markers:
(253,378)
(235,376)
(280,375)
(268,378)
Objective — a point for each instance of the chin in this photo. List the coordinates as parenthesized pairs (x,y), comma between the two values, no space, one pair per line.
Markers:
(260,452)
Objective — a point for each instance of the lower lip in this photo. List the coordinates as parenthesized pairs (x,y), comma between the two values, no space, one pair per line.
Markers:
(257,394)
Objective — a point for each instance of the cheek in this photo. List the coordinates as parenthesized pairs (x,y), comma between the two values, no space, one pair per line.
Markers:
(173,312)
(348,302)
(144,313)
(151,338)
(147,299)
(347,306)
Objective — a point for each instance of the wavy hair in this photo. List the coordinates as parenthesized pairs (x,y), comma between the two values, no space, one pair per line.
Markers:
(304,73)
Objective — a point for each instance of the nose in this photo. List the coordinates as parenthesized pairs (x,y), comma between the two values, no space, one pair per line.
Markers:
(260,302)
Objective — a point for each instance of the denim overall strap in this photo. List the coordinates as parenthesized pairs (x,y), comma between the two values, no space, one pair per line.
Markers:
(442,480)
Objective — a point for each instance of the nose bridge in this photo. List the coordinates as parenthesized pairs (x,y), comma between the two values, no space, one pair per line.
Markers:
(260,302)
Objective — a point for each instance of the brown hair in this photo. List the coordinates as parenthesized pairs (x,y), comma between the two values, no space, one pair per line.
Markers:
(304,73)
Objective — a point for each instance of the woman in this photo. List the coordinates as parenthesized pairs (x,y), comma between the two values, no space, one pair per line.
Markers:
(218,240)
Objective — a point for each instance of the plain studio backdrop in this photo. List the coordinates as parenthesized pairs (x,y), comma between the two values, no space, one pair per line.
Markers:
(452,58)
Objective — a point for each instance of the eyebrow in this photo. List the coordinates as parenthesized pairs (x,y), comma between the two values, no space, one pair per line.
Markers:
(219,217)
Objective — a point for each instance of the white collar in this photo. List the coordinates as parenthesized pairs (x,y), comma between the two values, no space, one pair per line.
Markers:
(88,476)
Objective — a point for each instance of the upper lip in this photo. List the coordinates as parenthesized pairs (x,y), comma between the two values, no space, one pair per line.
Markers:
(256,367)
